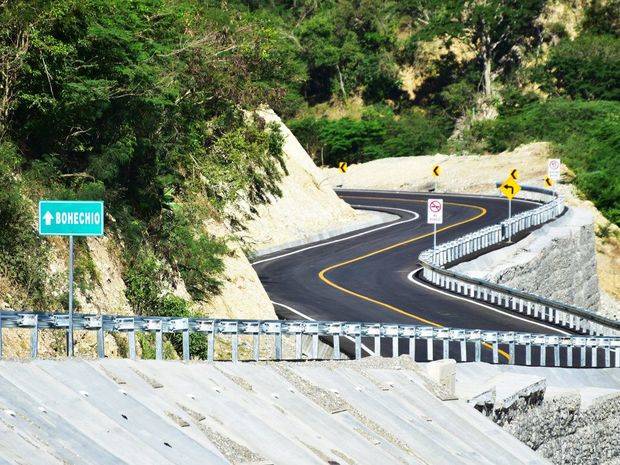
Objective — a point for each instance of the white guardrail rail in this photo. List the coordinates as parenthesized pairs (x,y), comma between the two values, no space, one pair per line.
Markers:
(434,263)
(594,341)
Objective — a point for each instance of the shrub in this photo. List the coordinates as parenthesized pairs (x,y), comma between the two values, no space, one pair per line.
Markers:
(587,67)
(23,254)
(379,134)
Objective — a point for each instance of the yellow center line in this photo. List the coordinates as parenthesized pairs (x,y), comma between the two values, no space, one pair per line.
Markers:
(324,271)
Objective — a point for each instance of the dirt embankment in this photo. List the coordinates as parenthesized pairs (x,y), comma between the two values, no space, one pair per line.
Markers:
(478,174)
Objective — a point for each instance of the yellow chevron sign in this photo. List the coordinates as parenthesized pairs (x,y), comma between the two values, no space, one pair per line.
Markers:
(343,167)
(436,170)
(548,181)
(514,174)
(510,188)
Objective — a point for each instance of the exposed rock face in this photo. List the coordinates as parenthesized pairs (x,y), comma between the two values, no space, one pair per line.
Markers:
(557,261)
(568,429)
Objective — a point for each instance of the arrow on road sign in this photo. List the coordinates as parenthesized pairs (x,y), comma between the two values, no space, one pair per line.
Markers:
(436,170)
(548,181)
(48,219)
(514,174)
(342,166)
(510,188)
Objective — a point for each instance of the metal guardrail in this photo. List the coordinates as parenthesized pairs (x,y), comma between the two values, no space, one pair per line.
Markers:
(434,264)
(436,343)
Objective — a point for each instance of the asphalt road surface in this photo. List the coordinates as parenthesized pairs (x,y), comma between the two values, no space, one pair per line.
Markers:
(367,275)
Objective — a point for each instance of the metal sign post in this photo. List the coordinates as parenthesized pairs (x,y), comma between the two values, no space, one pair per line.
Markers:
(509,216)
(434,215)
(70,218)
(70,331)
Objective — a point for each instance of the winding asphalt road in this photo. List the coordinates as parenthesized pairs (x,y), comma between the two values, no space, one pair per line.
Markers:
(368,275)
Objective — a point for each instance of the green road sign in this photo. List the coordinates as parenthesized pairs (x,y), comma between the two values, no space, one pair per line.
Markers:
(70,218)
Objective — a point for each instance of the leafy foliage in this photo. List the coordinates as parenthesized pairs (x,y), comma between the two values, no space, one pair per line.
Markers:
(587,137)
(141,103)
(376,135)
(587,67)
(495,29)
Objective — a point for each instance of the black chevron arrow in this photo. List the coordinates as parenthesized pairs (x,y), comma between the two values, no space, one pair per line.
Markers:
(435,170)
(513,174)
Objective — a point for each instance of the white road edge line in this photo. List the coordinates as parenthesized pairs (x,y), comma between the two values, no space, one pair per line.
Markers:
(297,312)
(488,307)
(368,207)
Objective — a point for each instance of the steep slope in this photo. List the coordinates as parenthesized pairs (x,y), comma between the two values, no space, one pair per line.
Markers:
(308,204)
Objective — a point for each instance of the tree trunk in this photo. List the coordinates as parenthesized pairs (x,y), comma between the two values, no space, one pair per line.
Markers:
(487,77)
(344,93)
(486,60)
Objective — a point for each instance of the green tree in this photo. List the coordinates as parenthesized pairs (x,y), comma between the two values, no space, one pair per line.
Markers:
(494,29)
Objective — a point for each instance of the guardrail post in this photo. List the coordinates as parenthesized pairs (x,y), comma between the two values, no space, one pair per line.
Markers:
(607,354)
(101,342)
(528,353)
(235,346)
(429,348)
(569,355)
(211,342)
(336,352)
(298,346)
(358,346)
(34,339)
(278,343)
(256,346)
(478,351)
(131,341)
(159,345)
(511,353)
(543,354)
(594,353)
(582,356)
(556,355)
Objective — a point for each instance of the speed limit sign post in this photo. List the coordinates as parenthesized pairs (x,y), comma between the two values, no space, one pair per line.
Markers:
(434,216)
(553,169)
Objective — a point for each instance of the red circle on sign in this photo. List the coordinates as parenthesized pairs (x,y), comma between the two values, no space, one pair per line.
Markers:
(435,206)
(554,164)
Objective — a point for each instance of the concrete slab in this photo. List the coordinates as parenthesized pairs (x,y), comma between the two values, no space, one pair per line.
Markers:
(169,412)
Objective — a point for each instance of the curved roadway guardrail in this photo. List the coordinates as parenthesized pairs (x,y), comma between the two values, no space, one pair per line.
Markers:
(597,345)
(434,263)
(437,342)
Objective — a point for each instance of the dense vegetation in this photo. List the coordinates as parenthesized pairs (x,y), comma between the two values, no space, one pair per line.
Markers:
(494,58)
(147,104)
(142,104)
(586,135)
